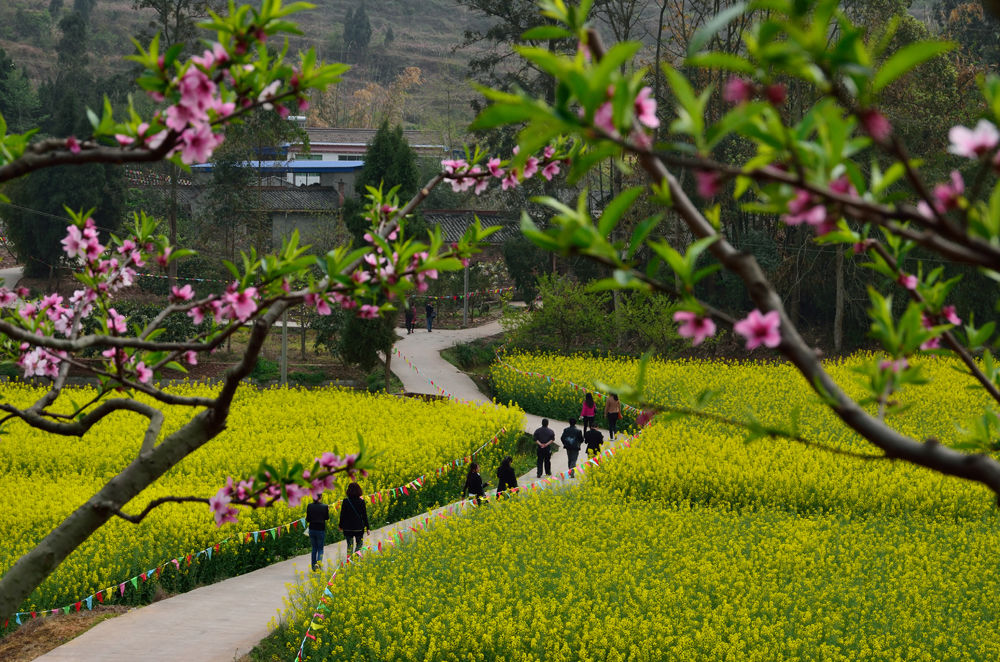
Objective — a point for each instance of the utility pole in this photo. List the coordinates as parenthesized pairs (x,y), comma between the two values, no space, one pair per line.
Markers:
(284,348)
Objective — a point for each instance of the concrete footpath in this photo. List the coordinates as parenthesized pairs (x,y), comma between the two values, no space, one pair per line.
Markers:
(224,621)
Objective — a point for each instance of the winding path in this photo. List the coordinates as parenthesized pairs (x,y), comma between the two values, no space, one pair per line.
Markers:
(224,621)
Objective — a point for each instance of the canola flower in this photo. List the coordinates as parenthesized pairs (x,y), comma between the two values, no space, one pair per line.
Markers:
(581,575)
(45,477)
(692,544)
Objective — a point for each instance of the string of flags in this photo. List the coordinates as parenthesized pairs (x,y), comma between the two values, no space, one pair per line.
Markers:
(576,387)
(195,280)
(257,536)
(324,607)
(107,593)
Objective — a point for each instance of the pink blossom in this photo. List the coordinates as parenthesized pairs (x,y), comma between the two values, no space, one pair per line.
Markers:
(179,116)
(760,329)
(843,186)
(510,181)
(933,343)
(709,183)
(317,300)
(584,50)
(123,139)
(693,325)
(242,304)
(453,166)
(645,108)
(776,93)
(143,373)
(530,167)
(493,165)
(7,298)
(973,143)
(197,144)
(196,89)
(896,366)
(481,185)
(180,294)
(73,145)
(802,209)
(221,510)
(294,493)
(948,312)
(737,91)
(909,281)
(876,124)
(191,357)
(550,170)
(549,151)
(604,119)
(368,312)
(946,196)
(73,243)
(197,315)
(116,321)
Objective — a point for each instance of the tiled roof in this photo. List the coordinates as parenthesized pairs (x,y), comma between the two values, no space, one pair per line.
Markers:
(454,222)
(301,198)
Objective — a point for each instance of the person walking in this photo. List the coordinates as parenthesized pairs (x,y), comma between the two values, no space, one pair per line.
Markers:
(474,485)
(411,316)
(593,438)
(505,475)
(544,439)
(612,412)
(429,311)
(572,441)
(587,412)
(316,516)
(354,518)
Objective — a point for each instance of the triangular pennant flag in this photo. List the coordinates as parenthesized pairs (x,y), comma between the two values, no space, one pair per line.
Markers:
(143,576)
(17,618)
(255,535)
(65,610)
(90,602)
(100,597)
(209,552)
(188,559)
(135,582)
(78,605)
(121,588)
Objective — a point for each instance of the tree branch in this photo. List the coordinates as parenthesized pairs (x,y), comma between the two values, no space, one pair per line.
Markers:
(155,503)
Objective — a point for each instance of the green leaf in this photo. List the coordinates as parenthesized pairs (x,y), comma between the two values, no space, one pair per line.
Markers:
(616,208)
(725,61)
(545,32)
(907,58)
(709,30)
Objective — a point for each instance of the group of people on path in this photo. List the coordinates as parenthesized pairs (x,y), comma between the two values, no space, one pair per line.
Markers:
(573,438)
(410,315)
(354,515)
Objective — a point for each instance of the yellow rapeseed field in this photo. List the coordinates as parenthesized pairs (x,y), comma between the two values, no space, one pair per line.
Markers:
(691,545)
(46,476)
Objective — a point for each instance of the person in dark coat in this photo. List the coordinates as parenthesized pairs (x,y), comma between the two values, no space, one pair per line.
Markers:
(429,311)
(474,485)
(505,475)
(593,439)
(354,518)
(572,441)
(544,440)
(316,516)
(411,316)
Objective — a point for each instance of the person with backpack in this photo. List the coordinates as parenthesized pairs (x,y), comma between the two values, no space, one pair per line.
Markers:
(410,315)
(354,518)
(316,516)
(572,440)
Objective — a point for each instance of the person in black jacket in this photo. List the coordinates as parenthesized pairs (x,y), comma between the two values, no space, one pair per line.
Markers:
(316,516)
(505,475)
(474,485)
(353,518)
(572,441)
(593,439)
(430,314)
